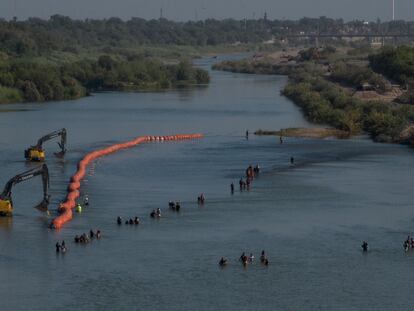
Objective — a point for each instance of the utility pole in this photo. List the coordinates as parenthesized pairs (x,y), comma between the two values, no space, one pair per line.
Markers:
(317,35)
(393,10)
(14,10)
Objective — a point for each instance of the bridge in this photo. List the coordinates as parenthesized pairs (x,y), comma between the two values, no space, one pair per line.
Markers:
(341,35)
(380,36)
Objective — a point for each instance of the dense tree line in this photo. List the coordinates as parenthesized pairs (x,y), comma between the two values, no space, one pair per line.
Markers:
(398,65)
(357,76)
(326,103)
(395,63)
(32,81)
(36,36)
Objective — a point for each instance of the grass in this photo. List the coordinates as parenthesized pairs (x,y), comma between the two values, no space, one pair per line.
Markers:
(9,95)
(166,53)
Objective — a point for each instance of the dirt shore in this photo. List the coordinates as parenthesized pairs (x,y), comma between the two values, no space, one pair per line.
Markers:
(318,133)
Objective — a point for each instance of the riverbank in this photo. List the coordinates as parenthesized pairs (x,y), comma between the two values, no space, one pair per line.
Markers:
(277,63)
(255,67)
(314,133)
(328,85)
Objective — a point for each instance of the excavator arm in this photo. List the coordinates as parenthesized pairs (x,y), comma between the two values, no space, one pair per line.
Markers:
(36,153)
(6,202)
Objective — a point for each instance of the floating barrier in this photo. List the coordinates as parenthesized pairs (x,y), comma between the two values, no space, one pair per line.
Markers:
(65,208)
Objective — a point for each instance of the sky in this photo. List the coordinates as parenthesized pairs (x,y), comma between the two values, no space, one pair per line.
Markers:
(368,10)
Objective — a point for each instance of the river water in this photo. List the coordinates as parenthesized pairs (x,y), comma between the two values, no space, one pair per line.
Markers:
(311,219)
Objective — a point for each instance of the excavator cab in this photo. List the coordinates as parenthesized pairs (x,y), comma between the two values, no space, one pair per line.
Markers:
(6,203)
(34,154)
(6,207)
(37,154)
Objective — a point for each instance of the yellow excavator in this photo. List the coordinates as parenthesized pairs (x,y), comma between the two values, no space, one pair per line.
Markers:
(6,202)
(37,154)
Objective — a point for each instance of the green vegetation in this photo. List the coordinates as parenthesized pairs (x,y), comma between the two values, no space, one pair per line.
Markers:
(251,67)
(60,33)
(325,102)
(10,95)
(36,36)
(32,81)
(280,67)
(395,63)
(63,59)
(359,77)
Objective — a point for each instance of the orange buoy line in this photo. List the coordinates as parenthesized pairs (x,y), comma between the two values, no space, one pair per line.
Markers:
(65,208)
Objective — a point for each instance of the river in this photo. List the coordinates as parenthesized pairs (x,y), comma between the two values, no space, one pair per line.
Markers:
(310,219)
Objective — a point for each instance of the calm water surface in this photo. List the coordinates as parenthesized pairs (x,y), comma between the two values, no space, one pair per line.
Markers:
(310,219)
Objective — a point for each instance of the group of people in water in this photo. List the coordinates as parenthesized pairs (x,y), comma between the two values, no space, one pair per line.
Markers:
(156,213)
(251,173)
(61,247)
(131,221)
(245,260)
(85,238)
(85,203)
(408,243)
(364,246)
(174,206)
(201,199)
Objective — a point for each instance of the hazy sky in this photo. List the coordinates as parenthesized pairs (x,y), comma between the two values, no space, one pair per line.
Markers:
(201,9)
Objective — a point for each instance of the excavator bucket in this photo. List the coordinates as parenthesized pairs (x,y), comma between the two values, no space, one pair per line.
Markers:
(43,206)
(59,154)
(62,153)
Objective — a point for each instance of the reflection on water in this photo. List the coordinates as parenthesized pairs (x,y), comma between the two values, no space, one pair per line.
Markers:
(186,94)
(6,223)
(310,219)
(13,110)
